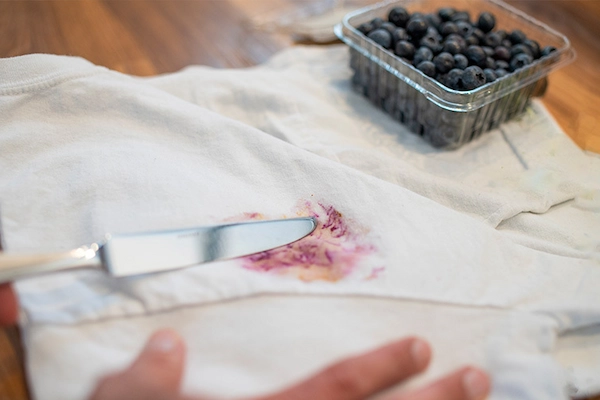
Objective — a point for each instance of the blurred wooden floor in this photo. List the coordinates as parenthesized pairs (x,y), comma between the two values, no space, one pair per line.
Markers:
(152,37)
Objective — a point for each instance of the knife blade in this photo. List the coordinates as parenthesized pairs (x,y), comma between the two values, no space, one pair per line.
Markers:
(142,253)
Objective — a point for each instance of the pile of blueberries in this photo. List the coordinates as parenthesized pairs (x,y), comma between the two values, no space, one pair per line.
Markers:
(452,49)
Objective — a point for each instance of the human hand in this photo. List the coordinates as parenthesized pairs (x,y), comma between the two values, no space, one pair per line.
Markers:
(8,305)
(157,372)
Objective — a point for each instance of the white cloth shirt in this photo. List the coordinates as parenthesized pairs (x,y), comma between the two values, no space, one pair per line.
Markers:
(491,251)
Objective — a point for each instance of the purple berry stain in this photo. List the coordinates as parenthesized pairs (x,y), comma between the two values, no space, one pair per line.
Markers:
(330,253)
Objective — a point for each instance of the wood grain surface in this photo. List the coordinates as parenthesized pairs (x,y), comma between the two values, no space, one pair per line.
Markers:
(161,36)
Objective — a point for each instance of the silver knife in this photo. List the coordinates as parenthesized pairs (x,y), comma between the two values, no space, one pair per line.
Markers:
(133,254)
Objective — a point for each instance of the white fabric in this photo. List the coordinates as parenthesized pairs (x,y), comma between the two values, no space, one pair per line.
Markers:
(528,167)
(85,151)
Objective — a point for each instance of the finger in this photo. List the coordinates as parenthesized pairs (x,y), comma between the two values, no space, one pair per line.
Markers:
(162,360)
(365,375)
(465,384)
(155,375)
(8,305)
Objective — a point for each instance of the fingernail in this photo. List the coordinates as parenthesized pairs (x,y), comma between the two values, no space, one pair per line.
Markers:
(163,342)
(475,384)
(420,352)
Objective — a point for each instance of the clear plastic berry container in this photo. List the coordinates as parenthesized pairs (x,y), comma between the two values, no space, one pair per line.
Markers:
(445,117)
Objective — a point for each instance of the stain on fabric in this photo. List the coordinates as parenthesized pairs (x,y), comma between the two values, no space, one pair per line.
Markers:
(375,273)
(330,253)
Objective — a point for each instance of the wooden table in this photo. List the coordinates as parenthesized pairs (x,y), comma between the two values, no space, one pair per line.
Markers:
(161,36)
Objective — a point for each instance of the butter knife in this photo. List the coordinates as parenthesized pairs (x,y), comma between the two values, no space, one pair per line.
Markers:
(142,253)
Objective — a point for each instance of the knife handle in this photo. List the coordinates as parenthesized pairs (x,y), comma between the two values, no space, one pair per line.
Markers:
(15,266)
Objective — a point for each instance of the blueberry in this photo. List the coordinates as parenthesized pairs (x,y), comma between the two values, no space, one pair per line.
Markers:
(448,47)
(452,47)
(441,78)
(490,75)
(398,35)
(454,79)
(473,77)
(443,62)
(520,49)
(517,36)
(478,33)
(365,28)
(501,64)
(520,61)
(534,47)
(492,39)
(472,40)
(476,55)
(488,51)
(432,43)
(443,136)
(448,27)
(501,53)
(405,49)
(388,26)
(486,22)
(465,29)
(417,28)
(431,31)
(446,13)
(433,20)
(461,62)
(399,16)
(427,67)
(382,37)
(422,54)
(547,50)
(377,22)
(500,72)
(461,16)
(457,38)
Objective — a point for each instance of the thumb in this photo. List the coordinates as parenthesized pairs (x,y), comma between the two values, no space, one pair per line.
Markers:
(155,374)
(162,360)
(8,305)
